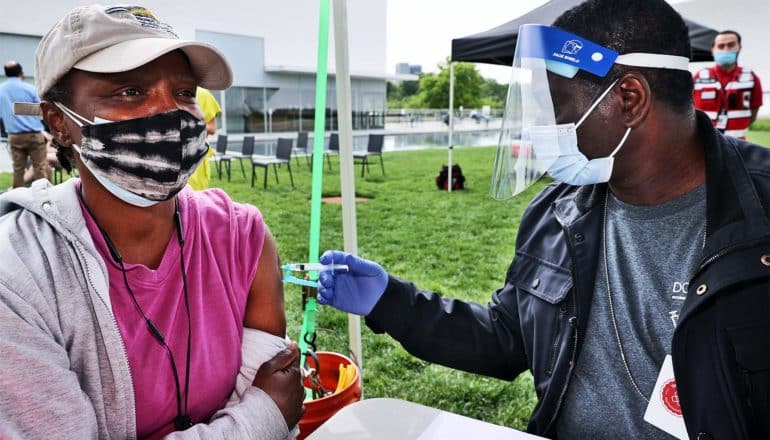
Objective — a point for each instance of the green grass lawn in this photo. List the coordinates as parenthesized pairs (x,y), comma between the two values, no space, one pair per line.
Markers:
(459,244)
(760,137)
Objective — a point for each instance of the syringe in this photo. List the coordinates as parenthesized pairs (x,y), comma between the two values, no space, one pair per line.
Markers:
(304,267)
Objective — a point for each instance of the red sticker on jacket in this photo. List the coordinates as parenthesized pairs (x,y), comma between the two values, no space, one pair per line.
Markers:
(671,398)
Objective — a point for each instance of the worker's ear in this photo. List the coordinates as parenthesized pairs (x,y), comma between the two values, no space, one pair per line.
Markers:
(636,97)
(55,120)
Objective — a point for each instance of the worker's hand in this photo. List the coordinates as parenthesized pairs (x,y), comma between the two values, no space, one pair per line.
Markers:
(281,379)
(355,291)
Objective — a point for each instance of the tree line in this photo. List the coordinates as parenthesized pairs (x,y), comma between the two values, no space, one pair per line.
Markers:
(432,90)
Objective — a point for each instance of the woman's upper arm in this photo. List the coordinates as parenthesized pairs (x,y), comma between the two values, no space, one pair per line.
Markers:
(264,306)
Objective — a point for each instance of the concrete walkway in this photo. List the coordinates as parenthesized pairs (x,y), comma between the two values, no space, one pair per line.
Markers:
(5,158)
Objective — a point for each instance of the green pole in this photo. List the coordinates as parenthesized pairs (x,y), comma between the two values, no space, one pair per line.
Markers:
(308,317)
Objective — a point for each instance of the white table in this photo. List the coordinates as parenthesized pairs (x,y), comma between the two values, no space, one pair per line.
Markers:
(383,418)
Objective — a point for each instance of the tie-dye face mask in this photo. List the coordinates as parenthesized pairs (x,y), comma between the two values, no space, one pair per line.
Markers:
(145,160)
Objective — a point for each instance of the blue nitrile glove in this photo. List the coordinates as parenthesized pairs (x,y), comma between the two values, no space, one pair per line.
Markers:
(355,291)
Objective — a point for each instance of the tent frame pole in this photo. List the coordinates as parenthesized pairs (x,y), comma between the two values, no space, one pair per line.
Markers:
(451,123)
(347,179)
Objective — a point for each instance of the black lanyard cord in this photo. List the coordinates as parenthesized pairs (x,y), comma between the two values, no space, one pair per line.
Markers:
(182,421)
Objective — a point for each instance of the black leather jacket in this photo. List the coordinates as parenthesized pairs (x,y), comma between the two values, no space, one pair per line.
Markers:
(720,349)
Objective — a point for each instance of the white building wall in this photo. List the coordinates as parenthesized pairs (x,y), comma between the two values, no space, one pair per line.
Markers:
(289,27)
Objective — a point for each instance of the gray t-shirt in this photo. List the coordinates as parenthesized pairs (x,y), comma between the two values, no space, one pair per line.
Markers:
(652,252)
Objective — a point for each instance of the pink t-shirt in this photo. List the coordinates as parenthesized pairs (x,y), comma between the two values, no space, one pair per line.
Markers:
(223,242)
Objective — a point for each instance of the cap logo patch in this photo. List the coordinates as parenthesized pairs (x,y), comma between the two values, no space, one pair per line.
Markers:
(143,16)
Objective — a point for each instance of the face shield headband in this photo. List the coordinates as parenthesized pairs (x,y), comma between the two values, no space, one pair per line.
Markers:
(531,142)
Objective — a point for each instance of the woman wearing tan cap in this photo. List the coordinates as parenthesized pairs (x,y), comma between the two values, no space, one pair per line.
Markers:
(124,294)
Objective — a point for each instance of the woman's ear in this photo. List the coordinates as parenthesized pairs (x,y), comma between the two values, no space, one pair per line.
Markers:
(636,96)
(54,119)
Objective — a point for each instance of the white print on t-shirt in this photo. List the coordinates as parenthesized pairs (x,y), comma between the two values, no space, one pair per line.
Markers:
(679,290)
(679,293)
(674,315)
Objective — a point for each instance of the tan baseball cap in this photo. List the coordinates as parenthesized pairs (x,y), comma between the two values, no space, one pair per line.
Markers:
(108,39)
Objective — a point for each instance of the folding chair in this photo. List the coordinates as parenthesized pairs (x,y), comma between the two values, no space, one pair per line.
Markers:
(247,151)
(282,156)
(221,156)
(333,149)
(373,148)
(301,147)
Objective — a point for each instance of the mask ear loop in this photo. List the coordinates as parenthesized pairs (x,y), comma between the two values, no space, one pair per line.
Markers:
(76,118)
(595,104)
(620,144)
(591,109)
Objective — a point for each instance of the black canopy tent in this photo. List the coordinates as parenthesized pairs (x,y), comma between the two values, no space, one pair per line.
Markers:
(496,45)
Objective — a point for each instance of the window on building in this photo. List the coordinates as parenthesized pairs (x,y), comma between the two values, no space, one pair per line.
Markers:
(245,110)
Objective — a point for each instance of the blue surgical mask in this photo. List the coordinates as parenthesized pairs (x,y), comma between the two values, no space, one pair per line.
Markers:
(726,57)
(558,144)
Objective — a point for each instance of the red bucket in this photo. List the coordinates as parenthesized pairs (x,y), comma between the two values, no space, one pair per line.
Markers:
(320,410)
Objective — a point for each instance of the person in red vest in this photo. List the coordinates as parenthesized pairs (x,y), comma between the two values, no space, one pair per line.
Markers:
(728,93)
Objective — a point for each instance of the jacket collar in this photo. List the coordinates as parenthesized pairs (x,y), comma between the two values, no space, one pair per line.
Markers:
(58,204)
(59,207)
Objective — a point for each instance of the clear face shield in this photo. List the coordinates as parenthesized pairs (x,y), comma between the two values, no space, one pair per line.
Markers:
(531,142)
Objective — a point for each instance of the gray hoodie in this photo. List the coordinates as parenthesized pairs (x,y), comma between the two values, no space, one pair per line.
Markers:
(64,370)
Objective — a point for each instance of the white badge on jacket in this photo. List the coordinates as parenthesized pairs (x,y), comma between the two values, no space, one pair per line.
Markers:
(664,411)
